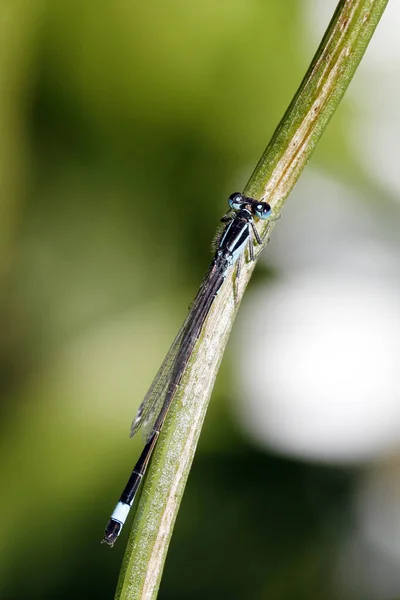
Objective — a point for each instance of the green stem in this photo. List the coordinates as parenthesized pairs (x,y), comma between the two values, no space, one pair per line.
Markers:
(331,70)
(319,94)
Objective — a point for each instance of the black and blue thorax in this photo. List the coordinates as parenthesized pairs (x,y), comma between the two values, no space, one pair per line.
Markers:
(239,230)
(234,238)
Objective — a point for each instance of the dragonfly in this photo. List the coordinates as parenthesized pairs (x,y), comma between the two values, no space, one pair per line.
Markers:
(238,233)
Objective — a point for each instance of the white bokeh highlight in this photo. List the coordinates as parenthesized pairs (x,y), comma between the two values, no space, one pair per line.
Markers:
(318,361)
(322,382)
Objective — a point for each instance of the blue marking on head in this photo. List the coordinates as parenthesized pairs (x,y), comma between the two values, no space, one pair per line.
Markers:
(262,210)
(236,201)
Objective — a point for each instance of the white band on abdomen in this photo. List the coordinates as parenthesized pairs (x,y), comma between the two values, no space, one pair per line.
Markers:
(120,513)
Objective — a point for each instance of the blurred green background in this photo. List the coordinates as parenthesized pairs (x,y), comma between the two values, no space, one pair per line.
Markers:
(124,128)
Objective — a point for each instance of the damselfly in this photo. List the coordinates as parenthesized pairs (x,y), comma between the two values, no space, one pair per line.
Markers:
(237,234)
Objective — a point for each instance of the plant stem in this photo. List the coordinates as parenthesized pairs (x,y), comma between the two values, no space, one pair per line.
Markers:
(320,92)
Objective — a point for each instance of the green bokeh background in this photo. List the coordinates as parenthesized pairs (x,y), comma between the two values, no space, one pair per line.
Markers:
(124,127)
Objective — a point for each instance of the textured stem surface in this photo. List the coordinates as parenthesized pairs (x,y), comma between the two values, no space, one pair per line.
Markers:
(320,92)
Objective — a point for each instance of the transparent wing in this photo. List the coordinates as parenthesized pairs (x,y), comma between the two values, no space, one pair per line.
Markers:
(156,403)
(153,401)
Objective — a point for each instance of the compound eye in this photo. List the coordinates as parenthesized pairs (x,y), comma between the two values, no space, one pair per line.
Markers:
(236,201)
(262,210)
